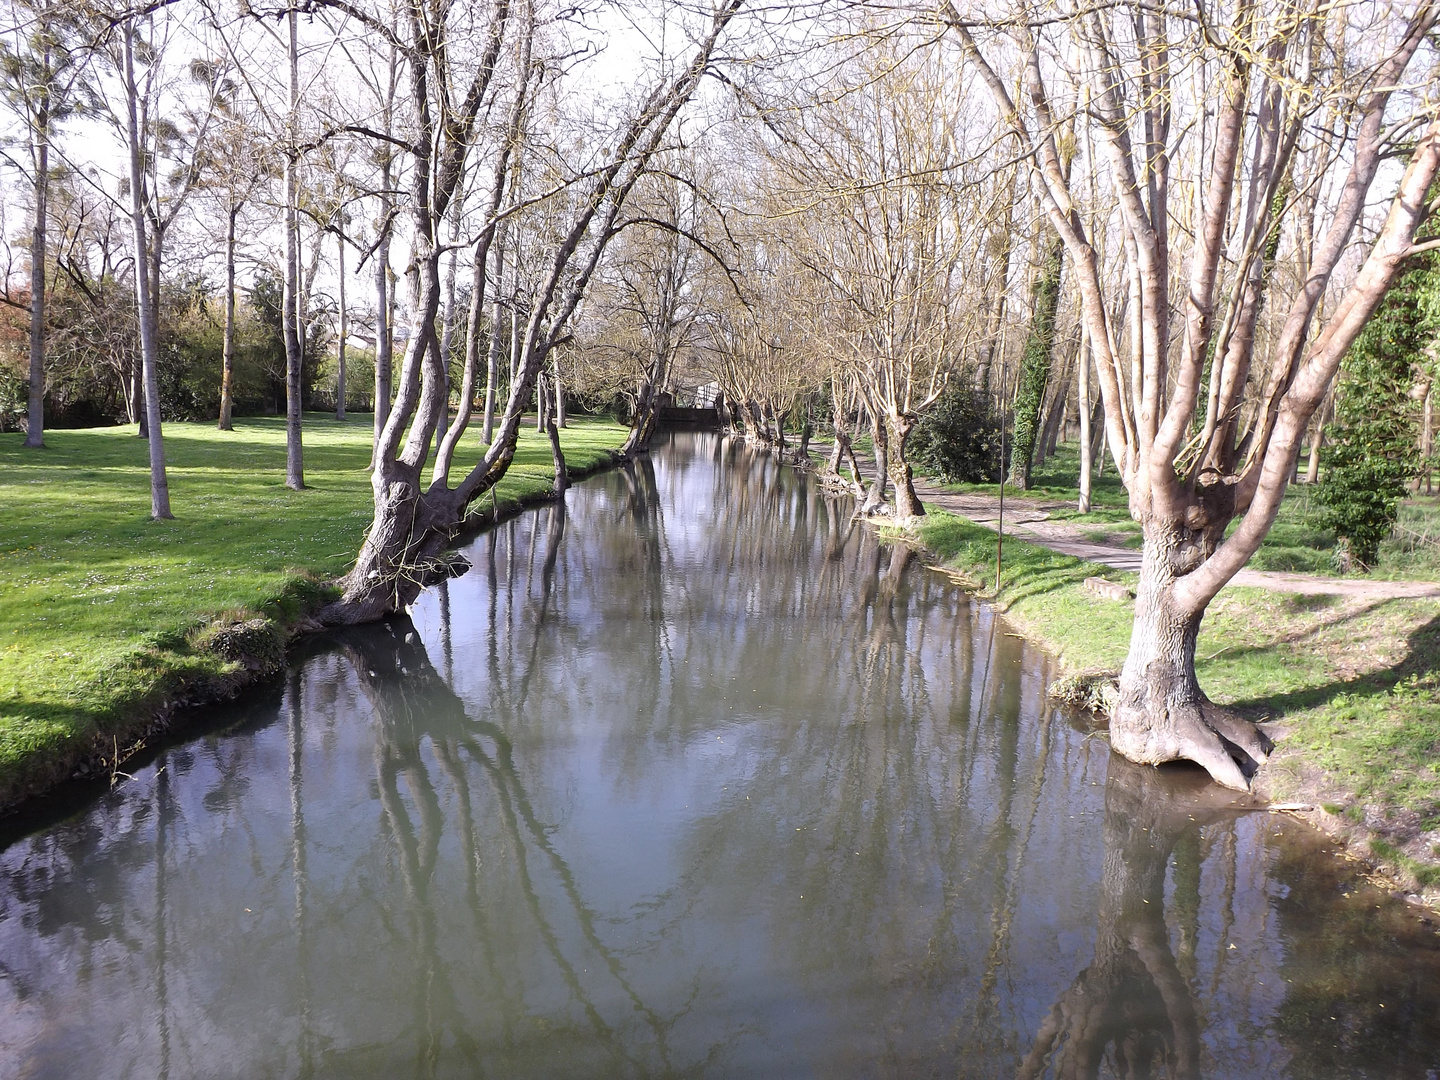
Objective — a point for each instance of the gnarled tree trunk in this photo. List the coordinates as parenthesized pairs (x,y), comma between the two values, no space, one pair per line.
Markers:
(907,503)
(1162,714)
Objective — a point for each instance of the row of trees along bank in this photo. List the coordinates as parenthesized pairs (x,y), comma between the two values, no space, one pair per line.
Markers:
(854,216)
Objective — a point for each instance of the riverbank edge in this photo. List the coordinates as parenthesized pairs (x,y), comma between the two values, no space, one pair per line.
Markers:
(215,659)
(1392,870)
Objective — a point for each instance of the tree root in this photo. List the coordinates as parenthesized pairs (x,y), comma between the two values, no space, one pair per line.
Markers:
(1226,745)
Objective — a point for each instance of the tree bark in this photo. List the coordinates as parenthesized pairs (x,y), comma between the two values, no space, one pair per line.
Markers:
(159,483)
(1162,714)
(1086,451)
(557,457)
(875,497)
(383,339)
(1312,467)
(907,503)
(1055,416)
(291,321)
(642,424)
(35,410)
(344,332)
(492,373)
(227,358)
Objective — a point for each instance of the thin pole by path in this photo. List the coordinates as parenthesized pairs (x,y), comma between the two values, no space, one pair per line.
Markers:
(1000,521)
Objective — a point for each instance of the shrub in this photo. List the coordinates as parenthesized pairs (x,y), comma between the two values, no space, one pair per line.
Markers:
(1374,439)
(958,440)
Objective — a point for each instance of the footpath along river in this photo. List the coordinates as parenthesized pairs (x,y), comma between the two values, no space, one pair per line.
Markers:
(689,777)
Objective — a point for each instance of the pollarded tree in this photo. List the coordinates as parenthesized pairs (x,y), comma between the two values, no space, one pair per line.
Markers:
(448,92)
(1207,428)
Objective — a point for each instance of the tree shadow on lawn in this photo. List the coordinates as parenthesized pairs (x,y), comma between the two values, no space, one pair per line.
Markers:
(1421,659)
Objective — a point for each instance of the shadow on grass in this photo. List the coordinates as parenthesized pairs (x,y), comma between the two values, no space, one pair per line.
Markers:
(1421,660)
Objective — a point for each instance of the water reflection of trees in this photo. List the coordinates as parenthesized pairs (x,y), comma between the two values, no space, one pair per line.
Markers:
(827,782)
(429,742)
(1133,1009)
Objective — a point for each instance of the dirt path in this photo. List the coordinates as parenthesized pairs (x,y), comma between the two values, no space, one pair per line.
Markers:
(1029,519)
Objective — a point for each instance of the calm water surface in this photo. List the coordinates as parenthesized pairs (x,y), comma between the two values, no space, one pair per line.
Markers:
(690,778)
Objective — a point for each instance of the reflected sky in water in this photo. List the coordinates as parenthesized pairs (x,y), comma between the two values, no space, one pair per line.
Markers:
(690,777)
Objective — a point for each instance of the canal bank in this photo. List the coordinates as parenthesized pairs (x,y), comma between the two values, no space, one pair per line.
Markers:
(118,626)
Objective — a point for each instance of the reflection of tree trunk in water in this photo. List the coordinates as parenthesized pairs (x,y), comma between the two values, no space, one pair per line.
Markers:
(414,705)
(446,647)
(297,870)
(164,813)
(1133,998)
(554,533)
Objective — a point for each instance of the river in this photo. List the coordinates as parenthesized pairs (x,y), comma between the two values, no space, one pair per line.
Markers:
(688,777)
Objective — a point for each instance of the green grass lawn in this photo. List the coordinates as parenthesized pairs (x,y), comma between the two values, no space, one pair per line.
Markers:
(1354,685)
(99,604)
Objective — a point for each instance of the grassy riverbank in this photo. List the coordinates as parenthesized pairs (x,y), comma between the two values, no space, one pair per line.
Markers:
(1351,686)
(104,611)
(1298,542)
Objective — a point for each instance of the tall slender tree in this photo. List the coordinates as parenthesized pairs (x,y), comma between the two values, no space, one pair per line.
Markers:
(41,79)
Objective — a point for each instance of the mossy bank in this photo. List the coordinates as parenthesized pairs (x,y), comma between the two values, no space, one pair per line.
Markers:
(1349,687)
(111,622)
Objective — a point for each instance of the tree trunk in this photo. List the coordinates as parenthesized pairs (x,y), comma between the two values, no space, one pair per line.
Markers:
(447,322)
(1312,467)
(1162,714)
(560,417)
(492,373)
(875,497)
(291,320)
(557,456)
(1086,451)
(35,411)
(1035,362)
(159,483)
(642,424)
(344,333)
(1055,418)
(227,359)
(907,503)
(384,305)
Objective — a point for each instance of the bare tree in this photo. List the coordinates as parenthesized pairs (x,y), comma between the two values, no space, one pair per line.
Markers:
(414,523)
(888,220)
(1194,458)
